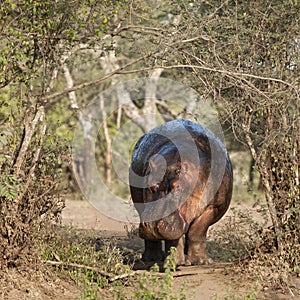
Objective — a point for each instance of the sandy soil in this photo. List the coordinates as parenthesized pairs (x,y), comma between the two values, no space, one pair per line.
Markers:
(204,283)
(212,282)
(81,214)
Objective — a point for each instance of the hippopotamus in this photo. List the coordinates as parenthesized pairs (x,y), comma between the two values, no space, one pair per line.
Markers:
(181,183)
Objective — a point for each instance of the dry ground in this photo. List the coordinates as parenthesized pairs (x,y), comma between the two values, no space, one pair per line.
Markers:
(206,281)
(42,283)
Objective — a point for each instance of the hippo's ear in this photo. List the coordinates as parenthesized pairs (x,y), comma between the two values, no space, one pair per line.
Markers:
(152,165)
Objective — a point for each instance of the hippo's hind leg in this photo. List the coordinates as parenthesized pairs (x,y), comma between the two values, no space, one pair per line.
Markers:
(196,238)
(179,245)
(153,251)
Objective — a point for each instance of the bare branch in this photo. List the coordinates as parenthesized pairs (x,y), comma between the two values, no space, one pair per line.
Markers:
(96,81)
(112,277)
(211,69)
(70,84)
(141,29)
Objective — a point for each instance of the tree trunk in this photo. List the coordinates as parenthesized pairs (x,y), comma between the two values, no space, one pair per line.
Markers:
(107,140)
(266,178)
(32,117)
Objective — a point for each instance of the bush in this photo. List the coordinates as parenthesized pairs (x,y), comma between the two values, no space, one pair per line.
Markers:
(28,198)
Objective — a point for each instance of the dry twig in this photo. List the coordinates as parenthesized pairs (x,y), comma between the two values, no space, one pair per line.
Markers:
(111,277)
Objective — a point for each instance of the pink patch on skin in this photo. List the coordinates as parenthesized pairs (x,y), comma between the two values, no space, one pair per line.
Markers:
(160,224)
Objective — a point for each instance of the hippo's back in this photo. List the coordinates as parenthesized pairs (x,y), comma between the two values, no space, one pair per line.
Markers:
(174,132)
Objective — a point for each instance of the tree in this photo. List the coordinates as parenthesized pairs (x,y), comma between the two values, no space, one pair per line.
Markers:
(249,67)
(37,40)
(243,56)
(40,41)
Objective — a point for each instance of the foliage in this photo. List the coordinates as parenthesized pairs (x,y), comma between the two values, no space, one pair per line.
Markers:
(242,56)
(150,286)
(76,253)
(35,34)
(37,37)
(232,296)
(28,199)
(89,266)
(27,202)
(245,58)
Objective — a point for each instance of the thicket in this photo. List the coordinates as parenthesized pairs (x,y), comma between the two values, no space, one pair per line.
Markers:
(37,37)
(55,56)
(249,67)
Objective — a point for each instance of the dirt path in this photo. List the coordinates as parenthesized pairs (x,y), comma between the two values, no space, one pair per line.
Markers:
(214,282)
(204,284)
(82,215)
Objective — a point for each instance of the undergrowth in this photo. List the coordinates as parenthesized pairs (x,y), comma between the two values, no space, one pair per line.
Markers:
(98,268)
(100,271)
(249,242)
(231,295)
(74,253)
(237,236)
